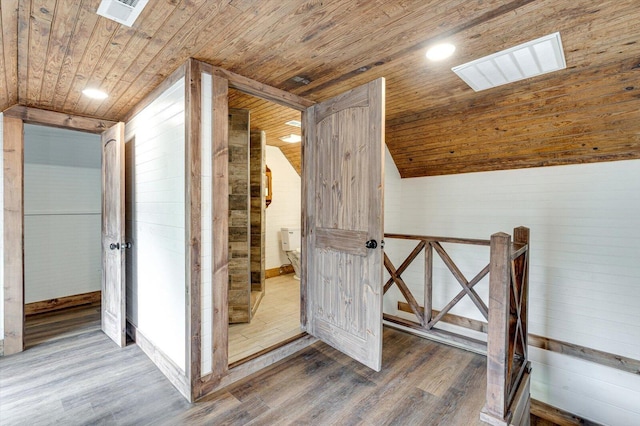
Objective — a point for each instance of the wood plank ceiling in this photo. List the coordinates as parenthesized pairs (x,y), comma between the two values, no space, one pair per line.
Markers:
(53,49)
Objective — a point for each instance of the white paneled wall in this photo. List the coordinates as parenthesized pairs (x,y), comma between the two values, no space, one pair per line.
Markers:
(585,268)
(284,210)
(2,226)
(206,258)
(62,212)
(157,284)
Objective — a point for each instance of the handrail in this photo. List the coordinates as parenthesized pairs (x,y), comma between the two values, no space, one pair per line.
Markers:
(508,367)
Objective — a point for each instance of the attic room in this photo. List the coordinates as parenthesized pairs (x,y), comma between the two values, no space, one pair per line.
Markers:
(424,191)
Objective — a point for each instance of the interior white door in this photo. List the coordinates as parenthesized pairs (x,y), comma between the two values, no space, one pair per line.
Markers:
(113,259)
(343,221)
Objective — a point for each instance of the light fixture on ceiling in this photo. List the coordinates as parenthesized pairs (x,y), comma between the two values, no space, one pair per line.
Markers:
(535,57)
(95,94)
(292,138)
(440,51)
(294,123)
(124,12)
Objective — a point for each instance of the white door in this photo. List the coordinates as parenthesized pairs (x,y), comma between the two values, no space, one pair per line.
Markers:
(113,258)
(343,221)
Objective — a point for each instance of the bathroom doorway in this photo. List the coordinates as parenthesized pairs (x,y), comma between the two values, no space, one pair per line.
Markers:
(264,225)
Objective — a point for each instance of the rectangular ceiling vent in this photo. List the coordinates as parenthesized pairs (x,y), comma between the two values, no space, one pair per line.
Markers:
(529,59)
(124,12)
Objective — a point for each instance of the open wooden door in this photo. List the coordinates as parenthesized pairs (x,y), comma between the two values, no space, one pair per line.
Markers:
(113,245)
(343,221)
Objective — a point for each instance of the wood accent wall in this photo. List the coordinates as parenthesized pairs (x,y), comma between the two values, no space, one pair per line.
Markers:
(239,268)
(257,214)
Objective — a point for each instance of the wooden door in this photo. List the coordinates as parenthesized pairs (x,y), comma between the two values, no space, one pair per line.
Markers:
(113,259)
(343,220)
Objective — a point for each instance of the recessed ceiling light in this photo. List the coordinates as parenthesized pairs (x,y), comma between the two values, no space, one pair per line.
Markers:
(294,123)
(95,94)
(529,59)
(440,51)
(291,138)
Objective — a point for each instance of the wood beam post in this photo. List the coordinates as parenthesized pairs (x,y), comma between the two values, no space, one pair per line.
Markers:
(13,163)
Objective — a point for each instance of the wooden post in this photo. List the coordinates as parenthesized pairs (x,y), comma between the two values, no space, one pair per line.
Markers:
(428,284)
(495,410)
(13,235)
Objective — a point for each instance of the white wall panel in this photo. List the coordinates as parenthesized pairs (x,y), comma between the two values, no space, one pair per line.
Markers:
(62,209)
(206,176)
(1,227)
(156,288)
(284,210)
(584,276)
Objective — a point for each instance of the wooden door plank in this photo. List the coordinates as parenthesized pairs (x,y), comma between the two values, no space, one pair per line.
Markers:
(113,223)
(344,148)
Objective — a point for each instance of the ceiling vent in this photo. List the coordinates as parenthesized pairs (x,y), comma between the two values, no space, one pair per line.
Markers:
(529,59)
(124,12)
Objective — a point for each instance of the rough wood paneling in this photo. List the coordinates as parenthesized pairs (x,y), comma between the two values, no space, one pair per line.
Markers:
(9,54)
(257,155)
(53,49)
(239,229)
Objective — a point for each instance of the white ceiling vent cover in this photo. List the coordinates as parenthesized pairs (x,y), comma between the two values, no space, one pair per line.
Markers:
(526,60)
(124,12)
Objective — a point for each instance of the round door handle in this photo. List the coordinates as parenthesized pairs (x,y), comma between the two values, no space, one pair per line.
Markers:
(371,244)
(114,246)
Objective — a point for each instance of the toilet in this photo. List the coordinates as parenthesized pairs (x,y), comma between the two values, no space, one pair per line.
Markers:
(291,240)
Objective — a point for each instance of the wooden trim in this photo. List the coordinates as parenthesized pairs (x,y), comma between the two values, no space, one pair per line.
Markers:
(266,350)
(427,238)
(13,150)
(276,272)
(175,375)
(178,74)
(257,364)
(557,416)
(1,347)
(458,320)
(263,91)
(62,302)
(442,336)
(607,359)
(58,119)
(193,225)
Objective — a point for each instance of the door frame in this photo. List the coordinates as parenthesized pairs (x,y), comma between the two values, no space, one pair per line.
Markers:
(13,181)
(221,375)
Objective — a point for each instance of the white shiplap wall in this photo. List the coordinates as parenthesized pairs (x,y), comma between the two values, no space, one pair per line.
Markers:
(206,175)
(585,268)
(157,284)
(284,210)
(62,212)
(2,227)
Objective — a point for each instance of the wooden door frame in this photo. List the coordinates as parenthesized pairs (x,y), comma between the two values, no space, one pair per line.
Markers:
(13,181)
(221,375)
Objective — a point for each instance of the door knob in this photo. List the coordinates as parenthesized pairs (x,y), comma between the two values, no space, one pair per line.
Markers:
(371,244)
(114,246)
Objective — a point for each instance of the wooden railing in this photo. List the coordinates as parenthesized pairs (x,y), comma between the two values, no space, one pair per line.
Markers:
(505,315)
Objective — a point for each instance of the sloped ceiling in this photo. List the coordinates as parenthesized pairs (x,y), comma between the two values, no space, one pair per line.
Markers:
(53,49)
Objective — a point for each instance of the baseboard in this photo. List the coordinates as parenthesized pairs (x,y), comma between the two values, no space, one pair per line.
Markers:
(553,415)
(62,303)
(176,376)
(275,272)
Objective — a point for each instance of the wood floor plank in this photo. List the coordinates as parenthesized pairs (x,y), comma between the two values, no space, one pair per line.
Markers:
(78,377)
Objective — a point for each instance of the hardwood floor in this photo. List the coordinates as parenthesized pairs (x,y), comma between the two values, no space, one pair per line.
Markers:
(81,378)
(277,319)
